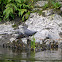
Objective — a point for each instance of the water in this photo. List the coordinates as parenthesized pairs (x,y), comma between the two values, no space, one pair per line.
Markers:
(11,55)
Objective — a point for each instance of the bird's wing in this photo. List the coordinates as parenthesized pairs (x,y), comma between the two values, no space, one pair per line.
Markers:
(29,32)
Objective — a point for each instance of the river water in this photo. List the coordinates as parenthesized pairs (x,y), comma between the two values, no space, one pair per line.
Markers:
(13,55)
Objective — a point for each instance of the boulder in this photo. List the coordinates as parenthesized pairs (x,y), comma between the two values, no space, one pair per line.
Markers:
(46,26)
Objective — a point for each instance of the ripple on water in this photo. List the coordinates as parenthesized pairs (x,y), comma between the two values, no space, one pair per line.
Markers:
(9,55)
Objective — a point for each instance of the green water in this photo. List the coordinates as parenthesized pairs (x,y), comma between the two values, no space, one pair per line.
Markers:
(10,55)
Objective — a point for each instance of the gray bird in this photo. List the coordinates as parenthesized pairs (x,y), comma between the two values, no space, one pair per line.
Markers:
(26,33)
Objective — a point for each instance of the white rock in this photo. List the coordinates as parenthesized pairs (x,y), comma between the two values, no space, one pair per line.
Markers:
(45,26)
(24,40)
(61,9)
(12,39)
(41,3)
(48,12)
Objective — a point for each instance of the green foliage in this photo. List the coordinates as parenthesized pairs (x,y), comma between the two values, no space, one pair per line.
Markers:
(9,11)
(45,6)
(56,5)
(38,11)
(14,25)
(24,10)
(52,4)
(33,43)
(11,8)
(2,7)
(0,19)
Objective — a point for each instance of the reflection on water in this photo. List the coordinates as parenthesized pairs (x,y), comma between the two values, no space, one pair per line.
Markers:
(11,55)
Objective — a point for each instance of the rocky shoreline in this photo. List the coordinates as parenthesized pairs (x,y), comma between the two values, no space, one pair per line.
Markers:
(49,24)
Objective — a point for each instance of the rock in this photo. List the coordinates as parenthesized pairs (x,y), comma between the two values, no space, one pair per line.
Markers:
(12,39)
(60,34)
(40,3)
(49,26)
(24,40)
(37,9)
(60,2)
(6,29)
(60,24)
(61,9)
(46,26)
(43,34)
(6,32)
(33,15)
(47,12)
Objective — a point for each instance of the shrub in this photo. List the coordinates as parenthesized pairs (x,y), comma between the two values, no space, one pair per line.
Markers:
(52,4)
(56,5)
(17,7)
(10,10)
(2,7)
(45,6)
